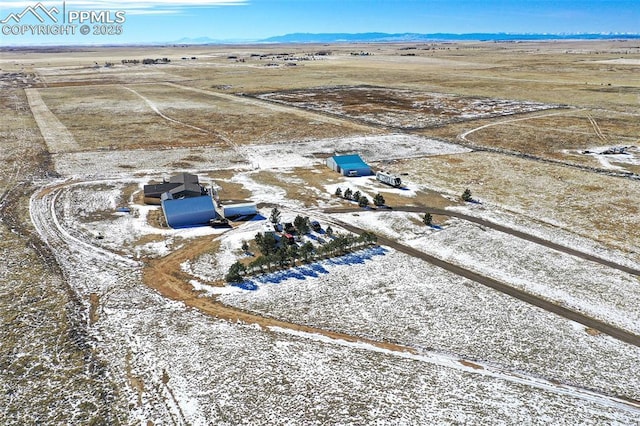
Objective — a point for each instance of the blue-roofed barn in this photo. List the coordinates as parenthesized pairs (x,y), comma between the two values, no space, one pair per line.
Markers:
(349,165)
(188,212)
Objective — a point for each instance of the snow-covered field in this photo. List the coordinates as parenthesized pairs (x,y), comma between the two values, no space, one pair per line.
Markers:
(222,373)
(581,285)
(546,230)
(301,154)
(395,298)
(199,370)
(116,163)
(371,148)
(372,337)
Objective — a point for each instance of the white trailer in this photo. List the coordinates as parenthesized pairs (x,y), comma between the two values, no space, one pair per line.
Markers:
(389,179)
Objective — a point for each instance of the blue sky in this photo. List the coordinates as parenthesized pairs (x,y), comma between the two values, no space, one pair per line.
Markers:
(167,20)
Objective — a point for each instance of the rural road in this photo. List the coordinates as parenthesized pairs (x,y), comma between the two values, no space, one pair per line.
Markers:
(549,306)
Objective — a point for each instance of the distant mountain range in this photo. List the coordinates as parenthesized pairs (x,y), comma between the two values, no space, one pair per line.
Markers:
(409,37)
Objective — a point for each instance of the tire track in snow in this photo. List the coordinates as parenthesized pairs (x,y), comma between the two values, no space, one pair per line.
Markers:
(607,171)
(53,233)
(463,136)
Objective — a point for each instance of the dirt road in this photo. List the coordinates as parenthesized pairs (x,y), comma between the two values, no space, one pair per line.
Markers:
(56,135)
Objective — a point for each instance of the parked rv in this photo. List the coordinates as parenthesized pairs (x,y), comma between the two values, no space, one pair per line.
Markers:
(389,179)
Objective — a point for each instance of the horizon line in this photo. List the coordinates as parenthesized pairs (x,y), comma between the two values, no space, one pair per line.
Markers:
(205,40)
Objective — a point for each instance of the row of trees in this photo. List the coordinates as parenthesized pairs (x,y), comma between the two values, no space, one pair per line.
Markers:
(275,256)
(356,196)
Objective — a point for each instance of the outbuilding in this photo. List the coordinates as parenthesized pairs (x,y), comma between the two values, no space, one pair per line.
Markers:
(188,212)
(233,211)
(349,165)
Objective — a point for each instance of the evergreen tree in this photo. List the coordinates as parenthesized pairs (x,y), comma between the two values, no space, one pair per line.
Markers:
(275,216)
(338,192)
(427,219)
(356,196)
(347,194)
(292,253)
(329,231)
(258,263)
(302,225)
(306,250)
(281,256)
(363,201)
(266,243)
(466,195)
(378,200)
(235,273)
(245,246)
(367,238)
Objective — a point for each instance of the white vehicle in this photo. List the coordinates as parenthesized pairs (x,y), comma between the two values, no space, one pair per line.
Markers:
(389,179)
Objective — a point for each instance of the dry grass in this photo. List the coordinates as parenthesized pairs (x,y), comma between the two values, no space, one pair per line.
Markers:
(551,136)
(101,114)
(156,219)
(228,190)
(594,206)
(401,108)
(50,374)
(117,119)
(574,73)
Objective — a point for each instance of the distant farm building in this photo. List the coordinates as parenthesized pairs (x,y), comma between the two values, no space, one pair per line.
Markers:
(183,185)
(188,212)
(349,165)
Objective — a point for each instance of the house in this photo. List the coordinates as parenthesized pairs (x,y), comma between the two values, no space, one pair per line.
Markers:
(349,165)
(182,185)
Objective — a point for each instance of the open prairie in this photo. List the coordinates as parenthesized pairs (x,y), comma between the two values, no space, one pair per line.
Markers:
(520,303)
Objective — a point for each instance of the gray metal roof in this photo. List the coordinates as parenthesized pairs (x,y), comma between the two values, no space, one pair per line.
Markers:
(184,178)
